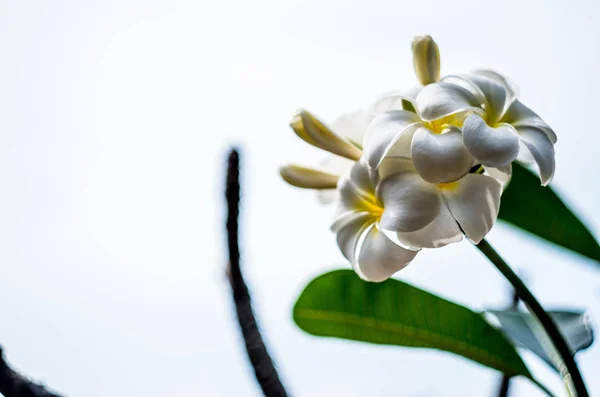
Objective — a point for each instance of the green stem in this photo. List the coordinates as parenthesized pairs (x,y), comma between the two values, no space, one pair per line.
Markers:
(542,387)
(547,322)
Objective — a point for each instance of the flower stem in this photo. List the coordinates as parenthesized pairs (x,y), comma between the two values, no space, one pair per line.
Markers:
(545,320)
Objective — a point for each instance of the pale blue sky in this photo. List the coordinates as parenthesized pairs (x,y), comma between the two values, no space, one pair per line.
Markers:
(116,119)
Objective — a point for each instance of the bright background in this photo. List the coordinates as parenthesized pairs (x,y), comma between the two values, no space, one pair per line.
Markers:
(116,119)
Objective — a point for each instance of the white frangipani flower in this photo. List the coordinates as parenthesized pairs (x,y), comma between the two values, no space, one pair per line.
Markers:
(373,255)
(458,122)
(386,215)
(421,168)
(431,135)
(436,209)
(507,130)
(487,99)
(384,218)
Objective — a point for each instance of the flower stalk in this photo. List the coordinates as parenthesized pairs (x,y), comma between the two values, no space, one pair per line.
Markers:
(571,372)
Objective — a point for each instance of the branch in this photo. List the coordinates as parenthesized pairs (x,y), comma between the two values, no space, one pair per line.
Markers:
(264,369)
(13,384)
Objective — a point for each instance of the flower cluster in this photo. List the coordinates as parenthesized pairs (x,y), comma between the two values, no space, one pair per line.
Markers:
(422,167)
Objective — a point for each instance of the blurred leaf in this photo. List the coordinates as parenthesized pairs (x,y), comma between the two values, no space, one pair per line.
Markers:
(525,331)
(538,210)
(339,304)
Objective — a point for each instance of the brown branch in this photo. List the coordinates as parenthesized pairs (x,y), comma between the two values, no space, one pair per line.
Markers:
(264,369)
(13,384)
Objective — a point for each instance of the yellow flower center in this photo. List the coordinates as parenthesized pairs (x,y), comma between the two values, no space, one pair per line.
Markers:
(437,126)
(448,186)
(441,125)
(372,205)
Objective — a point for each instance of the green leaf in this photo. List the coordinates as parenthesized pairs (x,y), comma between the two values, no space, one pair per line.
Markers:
(339,304)
(538,210)
(408,106)
(525,331)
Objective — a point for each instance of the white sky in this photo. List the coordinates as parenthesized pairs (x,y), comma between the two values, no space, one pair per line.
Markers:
(116,119)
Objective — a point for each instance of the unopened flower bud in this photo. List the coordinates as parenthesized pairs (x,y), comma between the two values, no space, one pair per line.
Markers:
(313,131)
(426,58)
(308,178)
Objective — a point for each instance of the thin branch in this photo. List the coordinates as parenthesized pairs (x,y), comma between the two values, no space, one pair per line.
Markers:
(264,369)
(13,384)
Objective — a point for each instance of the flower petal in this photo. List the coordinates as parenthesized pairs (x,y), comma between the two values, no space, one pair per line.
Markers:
(395,100)
(352,126)
(354,199)
(378,257)
(511,89)
(442,231)
(349,232)
(464,82)
(474,202)
(495,95)
(384,131)
(487,92)
(393,165)
(327,196)
(501,174)
(412,93)
(401,146)
(362,177)
(524,156)
(356,189)
(308,178)
(409,202)
(494,147)
(542,150)
(519,115)
(313,131)
(440,157)
(438,100)
(335,165)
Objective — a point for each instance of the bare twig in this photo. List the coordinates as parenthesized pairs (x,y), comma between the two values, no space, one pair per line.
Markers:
(13,384)
(264,369)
